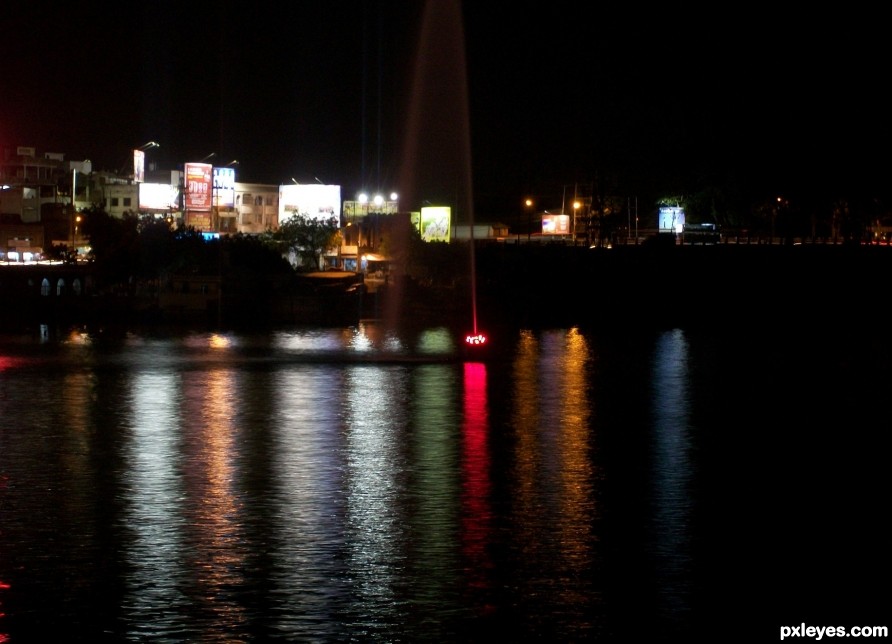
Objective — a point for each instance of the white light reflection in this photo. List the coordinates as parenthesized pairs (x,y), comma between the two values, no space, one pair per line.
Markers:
(361,342)
(374,524)
(370,337)
(309,341)
(306,531)
(672,471)
(153,508)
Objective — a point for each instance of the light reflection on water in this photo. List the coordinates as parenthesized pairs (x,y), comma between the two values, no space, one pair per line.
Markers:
(219,487)
(153,494)
(672,477)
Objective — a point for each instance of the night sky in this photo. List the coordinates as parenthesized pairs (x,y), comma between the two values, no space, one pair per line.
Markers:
(518,99)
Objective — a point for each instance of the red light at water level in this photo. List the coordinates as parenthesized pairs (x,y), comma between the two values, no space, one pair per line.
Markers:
(7,362)
(475,339)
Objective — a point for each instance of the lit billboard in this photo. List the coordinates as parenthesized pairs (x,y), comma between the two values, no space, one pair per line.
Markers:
(354,209)
(139,166)
(313,200)
(671,220)
(159,196)
(224,187)
(198,187)
(433,222)
(555,224)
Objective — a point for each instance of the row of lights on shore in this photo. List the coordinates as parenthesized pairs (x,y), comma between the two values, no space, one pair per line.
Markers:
(378,199)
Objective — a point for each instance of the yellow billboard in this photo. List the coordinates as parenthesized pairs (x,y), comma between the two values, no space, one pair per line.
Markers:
(433,222)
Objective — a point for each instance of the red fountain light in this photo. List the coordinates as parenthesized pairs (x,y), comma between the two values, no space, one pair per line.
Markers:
(475,339)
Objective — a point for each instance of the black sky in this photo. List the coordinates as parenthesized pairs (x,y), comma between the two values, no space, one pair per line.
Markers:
(370,95)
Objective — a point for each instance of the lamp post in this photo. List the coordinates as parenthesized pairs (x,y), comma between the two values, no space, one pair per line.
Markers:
(72,228)
(529,206)
(373,207)
(774,216)
(375,238)
(576,206)
(363,200)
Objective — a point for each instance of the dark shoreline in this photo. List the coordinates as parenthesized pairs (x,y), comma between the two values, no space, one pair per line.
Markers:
(537,287)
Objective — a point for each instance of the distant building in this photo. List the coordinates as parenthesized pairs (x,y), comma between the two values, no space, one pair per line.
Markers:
(480,231)
(256,207)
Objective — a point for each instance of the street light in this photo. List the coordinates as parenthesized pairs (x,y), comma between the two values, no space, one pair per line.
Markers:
(149,145)
(774,215)
(576,206)
(529,204)
(375,228)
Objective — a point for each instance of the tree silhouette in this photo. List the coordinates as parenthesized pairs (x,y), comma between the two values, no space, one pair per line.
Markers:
(114,247)
(305,239)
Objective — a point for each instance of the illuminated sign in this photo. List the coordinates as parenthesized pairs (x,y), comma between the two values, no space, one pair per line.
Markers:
(139,166)
(313,200)
(198,187)
(159,196)
(224,187)
(671,220)
(555,224)
(364,208)
(433,222)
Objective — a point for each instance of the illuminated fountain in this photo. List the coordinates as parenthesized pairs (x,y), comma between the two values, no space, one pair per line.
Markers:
(437,149)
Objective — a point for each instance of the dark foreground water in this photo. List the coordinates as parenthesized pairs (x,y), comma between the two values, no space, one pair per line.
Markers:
(358,485)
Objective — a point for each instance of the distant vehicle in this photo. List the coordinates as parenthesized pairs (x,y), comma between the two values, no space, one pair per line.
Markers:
(701,234)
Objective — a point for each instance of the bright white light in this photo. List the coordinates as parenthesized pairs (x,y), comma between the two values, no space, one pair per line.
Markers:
(379,200)
(363,197)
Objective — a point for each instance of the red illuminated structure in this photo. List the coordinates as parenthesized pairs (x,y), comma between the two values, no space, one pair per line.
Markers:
(475,339)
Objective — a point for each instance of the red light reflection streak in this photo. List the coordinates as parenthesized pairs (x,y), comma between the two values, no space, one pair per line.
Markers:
(4,637)
(8,362)
(476,513)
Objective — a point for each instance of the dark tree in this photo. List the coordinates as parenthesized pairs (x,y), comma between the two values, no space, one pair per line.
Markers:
(305,239)
(114,247)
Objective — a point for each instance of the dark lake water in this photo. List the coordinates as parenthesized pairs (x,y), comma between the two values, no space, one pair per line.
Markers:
(361,484)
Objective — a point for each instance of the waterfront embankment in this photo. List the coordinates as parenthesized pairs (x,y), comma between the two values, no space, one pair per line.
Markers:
(517,285)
